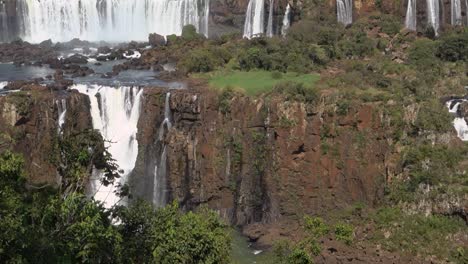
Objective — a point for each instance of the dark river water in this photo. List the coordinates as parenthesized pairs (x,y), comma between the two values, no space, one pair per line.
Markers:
(10,72)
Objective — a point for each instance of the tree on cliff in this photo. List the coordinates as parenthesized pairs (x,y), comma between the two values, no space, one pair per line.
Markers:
(42,226)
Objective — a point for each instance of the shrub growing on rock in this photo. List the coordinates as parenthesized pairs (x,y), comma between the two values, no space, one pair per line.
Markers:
(453,47)
(296,92)
(200,60)
(189,33)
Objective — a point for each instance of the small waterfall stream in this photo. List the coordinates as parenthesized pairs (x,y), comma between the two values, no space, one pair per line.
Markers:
(459,122)
(410,20)
(433,14)
(160,170)
(344,11)
(466,11)
(254,19)
(286,21)
(62,112)
(115,113)
(269,32)
(456,12)
(3,22)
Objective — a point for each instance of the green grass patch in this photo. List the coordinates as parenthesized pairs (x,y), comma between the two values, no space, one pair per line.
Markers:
(256,82)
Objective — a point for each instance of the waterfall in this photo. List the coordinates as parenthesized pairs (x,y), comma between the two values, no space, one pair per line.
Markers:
(110,20)
(286,21)
(455,12)
(344,11)
(3,84)
(205,18)
(160,170)
(115,113)
(62,112)
(466,11)
(269,32)
(410,20)
(433,14)
(459,122)
(254,17)
(3,22)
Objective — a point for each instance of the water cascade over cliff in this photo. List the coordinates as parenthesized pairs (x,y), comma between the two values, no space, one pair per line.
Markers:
(254,18)
(459,122)
(433,14)
(466,11)
(269,32)
(3,22)
(455,12)
(115,113)
(62,112)
(160,169)
(110,20)
(286,21)
(410,20)
(344,11)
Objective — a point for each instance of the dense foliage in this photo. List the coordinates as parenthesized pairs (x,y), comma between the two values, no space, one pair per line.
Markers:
(42,225)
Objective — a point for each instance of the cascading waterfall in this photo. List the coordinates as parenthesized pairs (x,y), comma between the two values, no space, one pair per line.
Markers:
(62,112)
(160,170)
(254,19)
(344,11)
(433,14)
(459,122)
(286,21)
(410,20)
(110,20)
(466,11)
(3,22)
(269,32)
(115,113)
(3,84)
(455,12)
(205,19)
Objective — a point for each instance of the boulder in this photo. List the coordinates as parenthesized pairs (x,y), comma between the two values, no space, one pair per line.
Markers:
(104,50)
(76,59)
(156,40)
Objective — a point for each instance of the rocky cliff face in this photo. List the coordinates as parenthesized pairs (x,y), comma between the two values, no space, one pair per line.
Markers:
(263,161)
(29,125)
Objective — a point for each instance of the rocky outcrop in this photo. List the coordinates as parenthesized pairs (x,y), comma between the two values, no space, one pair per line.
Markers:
(29,125)
(262,163)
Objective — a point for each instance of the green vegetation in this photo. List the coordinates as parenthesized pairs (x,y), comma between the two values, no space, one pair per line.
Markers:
(258,82)
(44,225)
(419,234)
(305,250)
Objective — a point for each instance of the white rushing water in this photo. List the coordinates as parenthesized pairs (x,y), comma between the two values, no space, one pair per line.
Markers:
(3,22)
(110,20)
(115,113)
(459,122)
(3,84)
(433,14)
(254,19)
(286,21)
(62,113)
(456,12)
(410,20)
(269,32)
(160,170)
(344,11)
